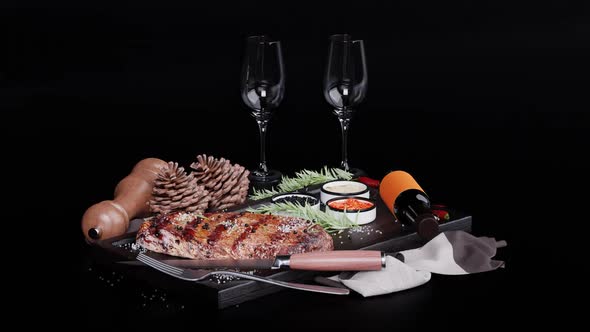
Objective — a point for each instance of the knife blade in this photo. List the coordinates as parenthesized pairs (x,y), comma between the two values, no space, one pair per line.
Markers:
(338,260)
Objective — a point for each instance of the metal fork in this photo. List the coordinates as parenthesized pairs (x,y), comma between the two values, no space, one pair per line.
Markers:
(198,275)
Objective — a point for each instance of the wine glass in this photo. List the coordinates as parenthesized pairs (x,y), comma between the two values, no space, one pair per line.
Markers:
(263,87)
(345,83)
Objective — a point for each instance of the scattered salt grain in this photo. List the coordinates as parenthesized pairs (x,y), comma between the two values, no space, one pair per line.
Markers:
(365,230)
(287,228)
(362,229)
(186,217)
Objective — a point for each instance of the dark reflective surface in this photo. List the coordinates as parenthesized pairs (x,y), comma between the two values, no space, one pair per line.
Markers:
(486,105)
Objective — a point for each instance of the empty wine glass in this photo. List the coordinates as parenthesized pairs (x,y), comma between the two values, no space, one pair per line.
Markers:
(345,82)
(263,87)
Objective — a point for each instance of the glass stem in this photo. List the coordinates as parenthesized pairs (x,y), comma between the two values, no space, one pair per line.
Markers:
(262,125)
(344,124)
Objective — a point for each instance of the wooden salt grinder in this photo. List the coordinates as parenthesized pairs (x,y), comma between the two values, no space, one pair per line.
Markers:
(111,218)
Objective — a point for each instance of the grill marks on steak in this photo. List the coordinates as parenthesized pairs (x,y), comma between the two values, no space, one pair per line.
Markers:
(231,235)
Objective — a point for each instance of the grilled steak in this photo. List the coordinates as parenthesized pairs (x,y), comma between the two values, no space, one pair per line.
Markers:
(231,235)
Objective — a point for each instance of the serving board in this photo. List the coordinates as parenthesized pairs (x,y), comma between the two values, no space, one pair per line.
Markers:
(385,234)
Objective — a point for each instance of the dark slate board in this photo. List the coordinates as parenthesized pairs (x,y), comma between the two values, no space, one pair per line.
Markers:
(384,234)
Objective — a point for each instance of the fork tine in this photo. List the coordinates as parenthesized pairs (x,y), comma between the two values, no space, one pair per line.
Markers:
(159,265)
(160,269)
(168,267)
(156,262)
(149,259)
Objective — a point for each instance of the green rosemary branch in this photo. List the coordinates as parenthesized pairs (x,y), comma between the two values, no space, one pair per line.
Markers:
(328,222)
(302,179)
(262,194)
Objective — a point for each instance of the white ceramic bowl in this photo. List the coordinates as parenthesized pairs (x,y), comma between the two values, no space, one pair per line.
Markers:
(361,217)
(343,188)
(289,197)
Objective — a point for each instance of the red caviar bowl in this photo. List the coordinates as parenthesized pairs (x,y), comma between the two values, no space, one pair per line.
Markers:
(358,209)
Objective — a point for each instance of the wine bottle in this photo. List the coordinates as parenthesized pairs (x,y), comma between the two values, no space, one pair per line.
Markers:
(410,205)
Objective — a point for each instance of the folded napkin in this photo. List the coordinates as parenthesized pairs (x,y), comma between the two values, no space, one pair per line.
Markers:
(395,277)
(449,253)
(455,252)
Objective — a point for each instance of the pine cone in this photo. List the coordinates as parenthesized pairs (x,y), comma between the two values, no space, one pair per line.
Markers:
(174,190)
(227,184)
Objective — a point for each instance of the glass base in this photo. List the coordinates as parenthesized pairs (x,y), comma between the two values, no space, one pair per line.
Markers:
(356,172)
(271,177)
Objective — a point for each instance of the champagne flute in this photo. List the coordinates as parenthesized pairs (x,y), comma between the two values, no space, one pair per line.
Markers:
(263,87)
(345,83)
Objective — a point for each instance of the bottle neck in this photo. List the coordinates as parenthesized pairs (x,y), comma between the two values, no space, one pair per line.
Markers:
(412,208)
(410,204)
(427,226)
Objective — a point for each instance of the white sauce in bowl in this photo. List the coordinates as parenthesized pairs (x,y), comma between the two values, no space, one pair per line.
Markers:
(345,187)
(342,188)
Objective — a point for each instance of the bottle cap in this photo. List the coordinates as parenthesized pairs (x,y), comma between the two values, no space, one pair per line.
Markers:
(427,226)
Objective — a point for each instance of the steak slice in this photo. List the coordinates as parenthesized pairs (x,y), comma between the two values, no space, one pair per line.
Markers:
(242,235)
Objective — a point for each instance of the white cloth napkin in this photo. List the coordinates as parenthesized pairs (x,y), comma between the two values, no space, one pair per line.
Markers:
(395,277)
(449,253)
(454,253)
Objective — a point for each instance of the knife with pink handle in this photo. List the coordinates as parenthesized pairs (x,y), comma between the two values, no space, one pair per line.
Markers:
(337,260)
(340,260)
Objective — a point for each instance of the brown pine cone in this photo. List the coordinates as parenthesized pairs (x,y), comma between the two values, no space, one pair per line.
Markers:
(174,190)
(228,184)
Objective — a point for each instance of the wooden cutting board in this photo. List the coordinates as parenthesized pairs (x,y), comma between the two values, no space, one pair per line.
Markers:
(383,234)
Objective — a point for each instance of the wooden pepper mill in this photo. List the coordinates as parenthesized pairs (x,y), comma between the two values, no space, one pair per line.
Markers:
(111,218)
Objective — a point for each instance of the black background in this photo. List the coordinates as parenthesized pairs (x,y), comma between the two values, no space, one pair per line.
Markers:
(485,103)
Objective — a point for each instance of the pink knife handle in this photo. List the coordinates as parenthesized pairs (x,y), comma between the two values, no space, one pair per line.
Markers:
(339,260)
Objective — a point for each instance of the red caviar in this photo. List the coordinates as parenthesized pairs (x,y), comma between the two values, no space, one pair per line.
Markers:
(350,204)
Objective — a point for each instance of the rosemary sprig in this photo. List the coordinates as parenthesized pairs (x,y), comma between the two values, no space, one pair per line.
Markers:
(202,216)
(328,222)
(302,179)
(262,194)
